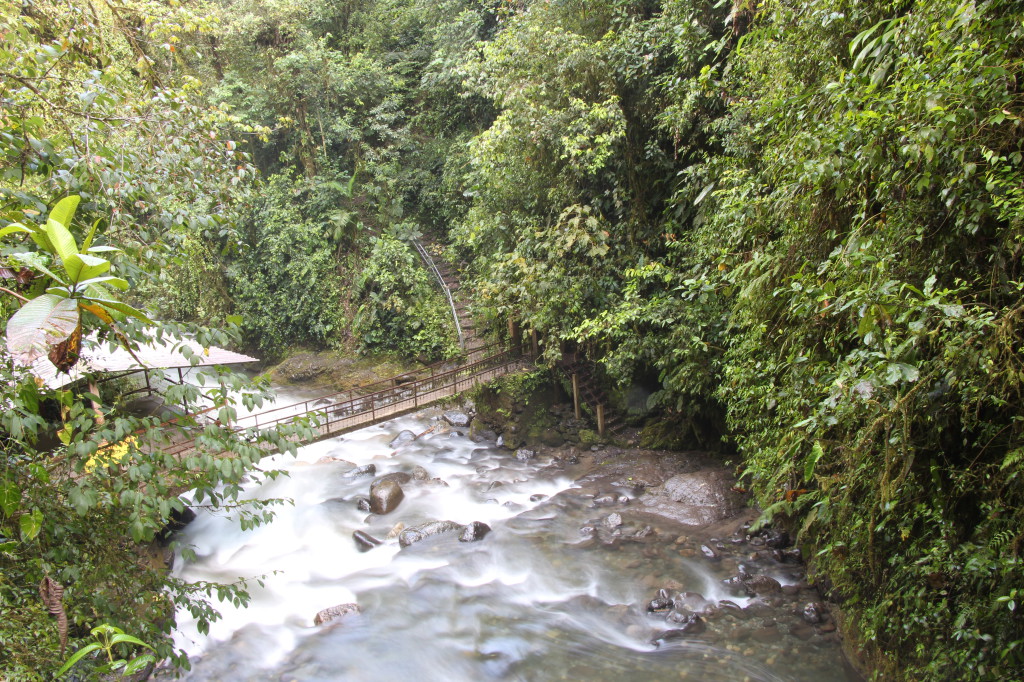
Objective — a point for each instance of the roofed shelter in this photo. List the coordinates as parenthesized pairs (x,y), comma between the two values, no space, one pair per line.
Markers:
(98,357)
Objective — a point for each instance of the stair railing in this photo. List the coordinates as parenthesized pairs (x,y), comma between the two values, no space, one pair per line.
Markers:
(429,262)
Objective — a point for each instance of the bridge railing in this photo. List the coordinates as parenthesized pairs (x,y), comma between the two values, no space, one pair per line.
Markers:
(343,410)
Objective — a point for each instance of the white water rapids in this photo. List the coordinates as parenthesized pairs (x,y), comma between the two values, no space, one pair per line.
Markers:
(531,601)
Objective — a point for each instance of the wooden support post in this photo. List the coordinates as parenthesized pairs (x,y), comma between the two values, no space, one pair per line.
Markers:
(576,395)
(95,390)
(600,419)
(534,343)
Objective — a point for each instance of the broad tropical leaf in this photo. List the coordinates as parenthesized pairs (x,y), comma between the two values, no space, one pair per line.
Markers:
(39,324)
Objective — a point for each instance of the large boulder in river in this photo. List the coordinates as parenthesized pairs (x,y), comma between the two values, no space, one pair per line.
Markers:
(425,530)
(699,498)
(385,496)
(402,438)
(336,613)
(456,418)
(474,532)
(399,477)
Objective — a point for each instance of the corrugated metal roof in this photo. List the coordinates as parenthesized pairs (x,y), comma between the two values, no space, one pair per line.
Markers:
(98,358)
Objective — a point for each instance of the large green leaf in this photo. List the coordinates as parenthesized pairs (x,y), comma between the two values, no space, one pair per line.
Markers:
(12,228)
(64,210)
(30,524)
(61,238)
(39,324)
(123,308)
(82,266)
(10,497)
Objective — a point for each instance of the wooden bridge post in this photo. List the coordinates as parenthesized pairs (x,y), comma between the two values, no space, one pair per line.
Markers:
(576,394)
(534,343)
(600,419)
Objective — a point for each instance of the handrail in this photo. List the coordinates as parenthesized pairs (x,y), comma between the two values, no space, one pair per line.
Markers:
(372,403)
(444,287)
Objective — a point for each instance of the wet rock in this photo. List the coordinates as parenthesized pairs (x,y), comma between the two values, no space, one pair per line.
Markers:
(363,504)
(659,604)
(613,520)
(788,556)
(423,531)
(690,626)
(474,532)
(359,472)
(336,613)
(402,439)
(455,418)
(776,539)
(588,531)
(500,441)
(604,500)
(814,613)
(399,477)
(385,496)
(177,521)
(691,601)
(710,553)
(644,532)
(802,631)
(538,497)
(420,474)
(393,533)
(731,607)
(699,498)
(738,587)
(524,455)
(364,541)
(763,584)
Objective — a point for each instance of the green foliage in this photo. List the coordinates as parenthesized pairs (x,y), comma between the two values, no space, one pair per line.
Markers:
(107,638)
(83,481)
(285,281)
(823,259)
(400,309)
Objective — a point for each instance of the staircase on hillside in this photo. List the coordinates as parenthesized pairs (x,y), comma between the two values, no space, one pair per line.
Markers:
(447,277)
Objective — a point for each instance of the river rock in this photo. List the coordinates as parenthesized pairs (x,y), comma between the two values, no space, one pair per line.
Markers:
(336,613)
(363,503)
(402,439)
(814,613)
(691,601)
(699,498)
(385,495)
(763,584)
(425,530)
(524,455)
(475,532)
(177,521)
(613,520)
(359,472)
(455,418)
(364,541)
(399,477)
(776,539)
(692,625)
(394,532)
(419,473)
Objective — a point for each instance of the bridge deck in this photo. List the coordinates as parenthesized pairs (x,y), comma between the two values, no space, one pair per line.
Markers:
(343,412)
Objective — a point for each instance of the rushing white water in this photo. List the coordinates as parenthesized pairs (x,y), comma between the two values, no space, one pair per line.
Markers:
(531,601)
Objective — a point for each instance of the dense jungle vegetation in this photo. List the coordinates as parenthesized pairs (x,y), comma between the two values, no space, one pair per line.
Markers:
(798,225)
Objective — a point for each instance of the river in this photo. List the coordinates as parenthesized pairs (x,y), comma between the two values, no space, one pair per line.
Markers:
(533,600)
